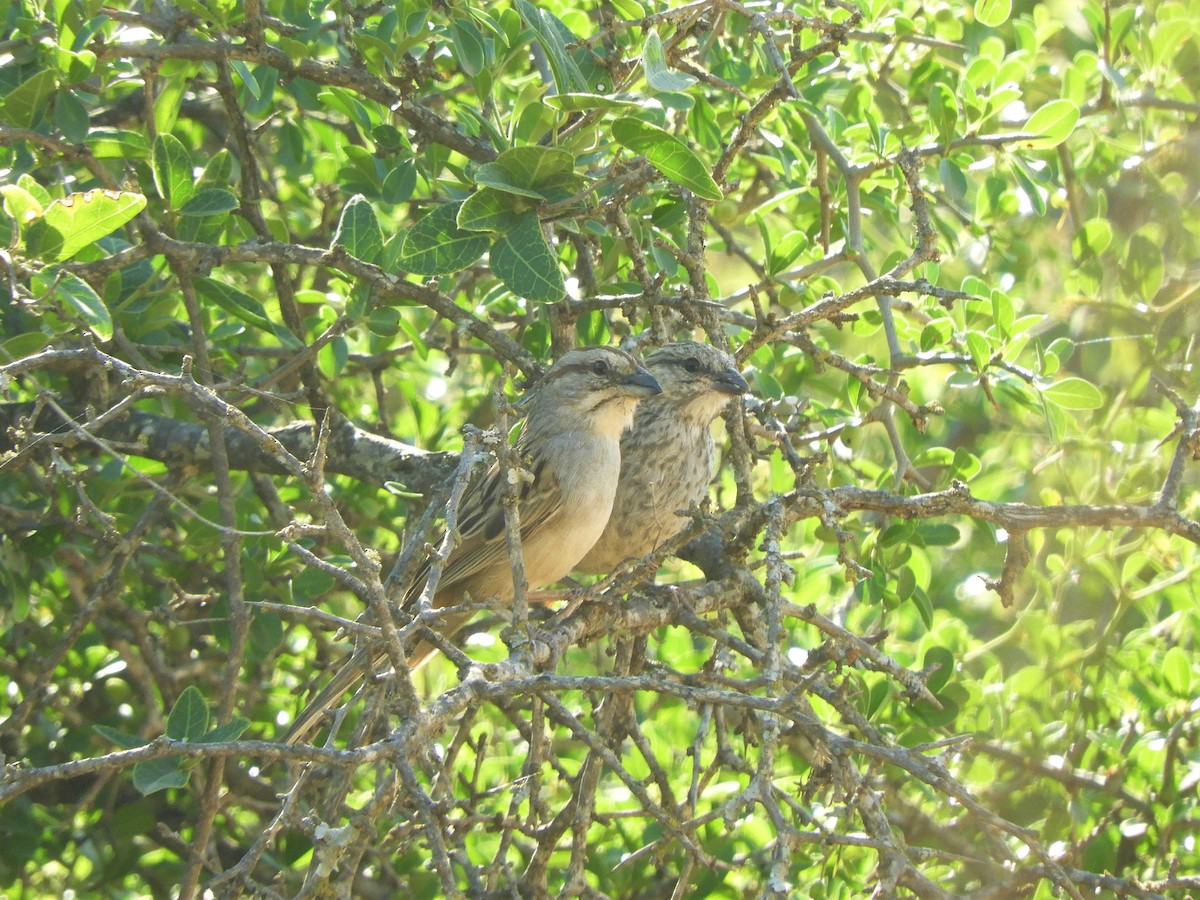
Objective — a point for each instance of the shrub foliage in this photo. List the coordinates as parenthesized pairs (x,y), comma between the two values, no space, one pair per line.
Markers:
(273,273)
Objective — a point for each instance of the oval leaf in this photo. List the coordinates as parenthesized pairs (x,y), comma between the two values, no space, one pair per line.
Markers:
(79,220)
(188,720)
(358,230)
(159,774)
(523,260)
(173,171)
(210,202)
(668,154)
(1074,393)
(659,75)
(29,99)
(437,246)
(993,13)
(234,302)
(86,303)
(1054,122)
(486,210)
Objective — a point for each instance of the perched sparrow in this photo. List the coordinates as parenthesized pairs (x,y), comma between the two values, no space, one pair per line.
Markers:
(571,440)
(667,457)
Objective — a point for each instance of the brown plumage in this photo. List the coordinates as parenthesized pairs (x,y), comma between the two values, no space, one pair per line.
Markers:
(571,439)
(667,457)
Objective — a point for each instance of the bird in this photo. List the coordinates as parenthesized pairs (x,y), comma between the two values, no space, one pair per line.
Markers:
(570,444)
(667,457)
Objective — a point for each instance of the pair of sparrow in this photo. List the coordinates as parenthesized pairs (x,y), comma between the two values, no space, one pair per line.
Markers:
(615,450)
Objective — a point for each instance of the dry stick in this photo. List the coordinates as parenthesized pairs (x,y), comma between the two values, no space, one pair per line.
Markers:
(514,475)
(239,615)
(564,716)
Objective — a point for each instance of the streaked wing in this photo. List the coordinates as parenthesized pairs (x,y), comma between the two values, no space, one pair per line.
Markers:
(481,525)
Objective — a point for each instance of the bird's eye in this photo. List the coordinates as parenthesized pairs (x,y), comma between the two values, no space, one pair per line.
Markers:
(691,364)
(600,367)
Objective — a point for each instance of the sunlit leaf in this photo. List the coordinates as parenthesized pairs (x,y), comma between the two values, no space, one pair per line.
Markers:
(173,170)
(993,13)
(76,221)
(188,719)
(668,154)
(1054,122)
(1074,393)
(437,246)
(358,230)
(523,260)
(659,75)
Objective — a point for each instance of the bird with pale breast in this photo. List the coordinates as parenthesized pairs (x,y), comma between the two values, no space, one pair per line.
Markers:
(571,446)
(667,457)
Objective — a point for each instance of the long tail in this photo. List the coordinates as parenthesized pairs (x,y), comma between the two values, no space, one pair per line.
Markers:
(343,681)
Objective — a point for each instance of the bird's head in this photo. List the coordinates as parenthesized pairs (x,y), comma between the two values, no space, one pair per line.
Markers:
(697,379)
(595,388)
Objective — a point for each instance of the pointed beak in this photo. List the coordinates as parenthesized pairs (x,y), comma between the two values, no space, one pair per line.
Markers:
(730,381)
(641,384)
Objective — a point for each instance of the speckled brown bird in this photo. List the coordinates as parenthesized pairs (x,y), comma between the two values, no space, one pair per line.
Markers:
(571,440)
(667,457)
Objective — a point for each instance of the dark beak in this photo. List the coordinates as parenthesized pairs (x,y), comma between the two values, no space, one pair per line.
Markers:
(730,381)
(641,384)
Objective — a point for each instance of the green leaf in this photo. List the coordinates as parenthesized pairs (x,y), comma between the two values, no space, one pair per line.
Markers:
(234,302)
(188,720)
(1143,271)
(951,700)
(938,534)
(582,102)
(944,660)
(399,184)
(1177,672)
(332,358)
(158,775)
(522,170)
(1002,312)
(668,155)
(523,260)
(71,116)
(468,46)
(1074,393)
(785,251)
(993,13)
(1091,239)
(981,351)
(437,246)
(27,101)
(358,230)
(924,606)
(943,111)
(117,143)
(22,204)
(384,321)
(85,302)
(659,75)
(247,77)
(230,731)
(122,739)
(76,67)
(487,210)
(168,102)
(210,202)
(549,33)
(1019,169)
(1054,122)
(173,170)
(79,220)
